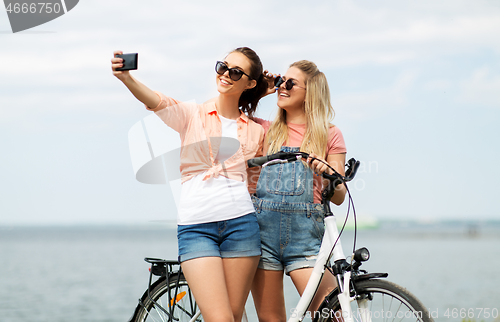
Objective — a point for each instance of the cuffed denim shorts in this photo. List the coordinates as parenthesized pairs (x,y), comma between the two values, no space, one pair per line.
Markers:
(291,234)
(238,237)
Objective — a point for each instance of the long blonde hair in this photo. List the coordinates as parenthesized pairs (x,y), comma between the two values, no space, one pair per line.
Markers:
(318,111)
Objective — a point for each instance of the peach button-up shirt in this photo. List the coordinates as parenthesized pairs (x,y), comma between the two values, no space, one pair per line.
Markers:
(197,122)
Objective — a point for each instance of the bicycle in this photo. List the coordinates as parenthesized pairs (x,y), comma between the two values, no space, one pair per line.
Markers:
(359,296)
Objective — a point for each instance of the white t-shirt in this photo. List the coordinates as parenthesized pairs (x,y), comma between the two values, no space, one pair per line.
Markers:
(215,199)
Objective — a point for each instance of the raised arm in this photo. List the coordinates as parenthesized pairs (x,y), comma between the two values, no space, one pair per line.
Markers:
(139,90)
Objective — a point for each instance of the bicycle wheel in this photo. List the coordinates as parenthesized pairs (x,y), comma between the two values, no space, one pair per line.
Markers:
(160,306)
(386,301)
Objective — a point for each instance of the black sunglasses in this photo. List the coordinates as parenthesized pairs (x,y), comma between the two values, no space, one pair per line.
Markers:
(289,84)
(234,73)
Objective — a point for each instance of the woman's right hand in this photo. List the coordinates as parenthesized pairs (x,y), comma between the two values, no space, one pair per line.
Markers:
(139,90)
(117,63)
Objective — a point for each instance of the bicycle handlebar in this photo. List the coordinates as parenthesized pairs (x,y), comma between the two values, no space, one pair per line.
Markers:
(281,157)
(285,156)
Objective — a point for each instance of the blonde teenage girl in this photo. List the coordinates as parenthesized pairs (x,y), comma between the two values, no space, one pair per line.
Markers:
(288,195)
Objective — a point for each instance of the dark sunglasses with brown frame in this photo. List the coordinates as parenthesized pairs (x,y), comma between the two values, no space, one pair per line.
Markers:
(234,73)
(289,84)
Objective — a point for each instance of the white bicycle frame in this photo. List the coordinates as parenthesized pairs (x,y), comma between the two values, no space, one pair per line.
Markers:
(329,239)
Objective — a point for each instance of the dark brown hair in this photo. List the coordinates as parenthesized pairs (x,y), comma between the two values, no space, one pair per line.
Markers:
(250,97)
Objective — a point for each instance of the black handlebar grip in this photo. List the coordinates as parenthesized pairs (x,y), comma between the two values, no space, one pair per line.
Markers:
(257,162)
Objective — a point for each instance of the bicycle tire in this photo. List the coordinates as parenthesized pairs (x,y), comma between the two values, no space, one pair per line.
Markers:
(183,310)
(389,302)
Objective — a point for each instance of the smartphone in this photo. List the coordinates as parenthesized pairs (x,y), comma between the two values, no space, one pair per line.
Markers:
(129,61)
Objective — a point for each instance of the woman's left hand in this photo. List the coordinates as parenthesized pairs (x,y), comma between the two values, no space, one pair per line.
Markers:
(317,166)
(270,82)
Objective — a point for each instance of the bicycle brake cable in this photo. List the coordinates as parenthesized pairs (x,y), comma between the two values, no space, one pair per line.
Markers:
(349,203)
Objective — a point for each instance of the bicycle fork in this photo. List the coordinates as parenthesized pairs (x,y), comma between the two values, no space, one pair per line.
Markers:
(343,277)
(345,299)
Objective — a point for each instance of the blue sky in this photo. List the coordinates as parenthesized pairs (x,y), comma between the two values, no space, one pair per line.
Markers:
(415,86)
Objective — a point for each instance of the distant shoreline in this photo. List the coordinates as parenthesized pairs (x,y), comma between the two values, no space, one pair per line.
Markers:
(162,224)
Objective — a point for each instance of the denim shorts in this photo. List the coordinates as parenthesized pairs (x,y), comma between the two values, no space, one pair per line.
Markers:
(291,234)
(238,237)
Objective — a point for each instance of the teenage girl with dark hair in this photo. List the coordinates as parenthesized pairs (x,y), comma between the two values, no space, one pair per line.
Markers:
(218,234)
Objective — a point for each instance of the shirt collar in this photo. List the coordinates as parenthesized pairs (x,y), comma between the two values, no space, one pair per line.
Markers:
(213,110)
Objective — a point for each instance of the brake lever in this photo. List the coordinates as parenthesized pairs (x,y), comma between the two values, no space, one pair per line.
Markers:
(352,168)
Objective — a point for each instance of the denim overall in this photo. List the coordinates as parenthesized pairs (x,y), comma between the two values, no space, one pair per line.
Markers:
(291,224)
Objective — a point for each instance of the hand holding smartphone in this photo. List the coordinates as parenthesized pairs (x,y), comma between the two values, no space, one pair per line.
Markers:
(129,61)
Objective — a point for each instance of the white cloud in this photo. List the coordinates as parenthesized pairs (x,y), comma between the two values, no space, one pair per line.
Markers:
(368,103)
(483,87)
(57,77)
(346,33)
(438,85)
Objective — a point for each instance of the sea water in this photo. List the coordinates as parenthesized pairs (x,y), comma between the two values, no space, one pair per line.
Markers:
(97,273)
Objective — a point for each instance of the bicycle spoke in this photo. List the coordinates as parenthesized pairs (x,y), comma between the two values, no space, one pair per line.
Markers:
(160,315)
(173,302)
(388,303)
